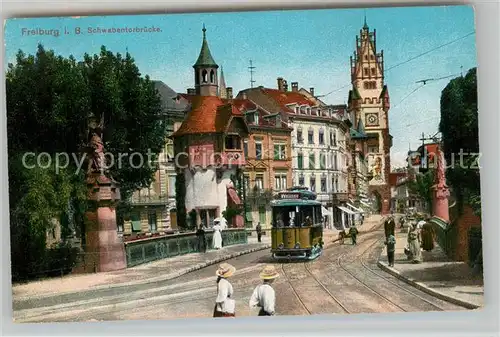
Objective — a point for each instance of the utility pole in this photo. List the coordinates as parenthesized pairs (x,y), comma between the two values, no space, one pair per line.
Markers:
(251,69)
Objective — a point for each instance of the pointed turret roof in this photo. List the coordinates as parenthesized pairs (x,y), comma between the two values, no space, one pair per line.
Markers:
(222,85)
(205,59)
(365,26)
(361,127)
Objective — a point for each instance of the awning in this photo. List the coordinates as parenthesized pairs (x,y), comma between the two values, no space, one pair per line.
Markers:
(355,208)
(234,196)
(325,211)
(345,210)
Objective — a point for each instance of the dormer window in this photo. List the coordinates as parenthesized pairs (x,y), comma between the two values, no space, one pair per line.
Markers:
(308,111)
(232,142)
(278,121)
(256,118)
(296,109)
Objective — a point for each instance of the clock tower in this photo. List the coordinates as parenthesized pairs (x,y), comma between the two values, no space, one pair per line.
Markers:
(369,103)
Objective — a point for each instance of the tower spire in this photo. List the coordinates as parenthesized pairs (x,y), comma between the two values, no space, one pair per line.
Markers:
(365,26)
(222,85)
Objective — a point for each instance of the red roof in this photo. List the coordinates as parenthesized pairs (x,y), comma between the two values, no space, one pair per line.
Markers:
(287,97)
(209,114)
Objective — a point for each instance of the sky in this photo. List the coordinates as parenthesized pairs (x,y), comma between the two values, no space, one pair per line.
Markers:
(311,47)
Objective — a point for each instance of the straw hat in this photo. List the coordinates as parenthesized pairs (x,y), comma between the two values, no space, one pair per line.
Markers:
(225,270)
(268,273)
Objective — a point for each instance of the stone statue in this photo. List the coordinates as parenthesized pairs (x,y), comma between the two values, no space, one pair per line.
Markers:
(95,147)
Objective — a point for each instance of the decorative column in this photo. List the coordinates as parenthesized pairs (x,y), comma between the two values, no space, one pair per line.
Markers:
(104,248)
(440,190)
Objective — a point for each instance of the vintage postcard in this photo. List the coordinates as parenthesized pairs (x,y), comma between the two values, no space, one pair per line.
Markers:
(243,164)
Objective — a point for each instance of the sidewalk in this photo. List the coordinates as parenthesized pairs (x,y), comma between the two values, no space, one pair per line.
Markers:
(437,275)
(146,273)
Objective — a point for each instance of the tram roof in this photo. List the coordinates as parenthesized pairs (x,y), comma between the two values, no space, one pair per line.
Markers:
(294,202)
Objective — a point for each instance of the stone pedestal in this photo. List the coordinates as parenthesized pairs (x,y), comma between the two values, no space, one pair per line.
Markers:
(440,194)
(104,249)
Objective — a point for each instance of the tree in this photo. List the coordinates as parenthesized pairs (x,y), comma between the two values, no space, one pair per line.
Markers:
(49,101)
(459,128)
(421,186)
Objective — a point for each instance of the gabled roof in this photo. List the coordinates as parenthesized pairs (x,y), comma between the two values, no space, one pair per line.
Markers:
(209,114)
(170,100)
(205,58)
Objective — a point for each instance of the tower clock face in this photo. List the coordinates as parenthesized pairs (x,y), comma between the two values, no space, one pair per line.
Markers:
(371,119)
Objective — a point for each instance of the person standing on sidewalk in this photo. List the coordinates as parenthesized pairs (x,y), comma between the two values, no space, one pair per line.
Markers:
(264,296)
(258,229)
(224,304)
(353,232)
(202,240)
(391,247)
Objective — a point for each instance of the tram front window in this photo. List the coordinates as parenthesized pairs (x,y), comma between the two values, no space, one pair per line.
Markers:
(293,216)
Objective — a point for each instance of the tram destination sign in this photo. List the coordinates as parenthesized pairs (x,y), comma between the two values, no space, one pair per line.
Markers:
(288,195)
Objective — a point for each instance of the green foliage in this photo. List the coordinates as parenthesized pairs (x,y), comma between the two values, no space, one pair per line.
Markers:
(49,100)
(231,212)
(421,187)
(180,199)
(459,127)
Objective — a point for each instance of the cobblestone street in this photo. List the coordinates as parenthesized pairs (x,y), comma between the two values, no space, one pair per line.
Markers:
(345,279)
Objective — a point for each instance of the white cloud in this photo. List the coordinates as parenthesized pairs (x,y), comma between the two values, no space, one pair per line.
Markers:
(398,159)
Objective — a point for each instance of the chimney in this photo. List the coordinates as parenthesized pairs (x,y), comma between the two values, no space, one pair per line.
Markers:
(229,93)
(311,90)
(295,86)
(191,91)
(281,83)
(285,86)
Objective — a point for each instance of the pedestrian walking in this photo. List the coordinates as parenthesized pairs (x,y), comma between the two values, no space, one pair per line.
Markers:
(259,232)
(264,296)
(224,304)
(390,242)
(353,232)
(217,238)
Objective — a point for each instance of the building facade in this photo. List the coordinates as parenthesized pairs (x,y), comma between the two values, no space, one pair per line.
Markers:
(369,101)
(209,147)
(319,153)
(268,155)
(153,208)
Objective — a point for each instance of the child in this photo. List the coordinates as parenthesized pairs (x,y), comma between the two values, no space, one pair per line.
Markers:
(264,296)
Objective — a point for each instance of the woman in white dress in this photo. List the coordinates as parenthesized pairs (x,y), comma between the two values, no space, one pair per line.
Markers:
(224,304)
(217,238)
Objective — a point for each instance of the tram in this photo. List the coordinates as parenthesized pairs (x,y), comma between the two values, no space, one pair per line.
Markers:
(297,225)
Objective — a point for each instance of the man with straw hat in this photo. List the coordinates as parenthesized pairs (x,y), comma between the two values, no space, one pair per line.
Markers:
(264,296)
(224,304)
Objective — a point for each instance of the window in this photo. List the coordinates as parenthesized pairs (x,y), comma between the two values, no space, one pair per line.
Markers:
(135,218)
(366,57)
(212,76)
(119,224)
(258,151)
(171,186)
(296,109)
(299,136)
(204,76)
(256,118)
(310,137)
(278,121)
(323,184)
(170,152)
(365,70)
(373,71)
(245,148)
(333,185)
(336,184)
(301,181)
(152,221)
(372,57)
(372,149)
(300,161)
(335,162)
(233,142)
(280,181)
(331,138)
(312,165)
(313,184)
(259,181)
(262,215)
(321,137)
(308,111)
(279,151)
(334,137)
(322,161)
